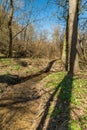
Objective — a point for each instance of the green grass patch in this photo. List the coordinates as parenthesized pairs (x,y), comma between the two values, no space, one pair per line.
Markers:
(6,61)
(74,125)
(54,79)
(7,72)
(16,67)
(69,90)
(54,113)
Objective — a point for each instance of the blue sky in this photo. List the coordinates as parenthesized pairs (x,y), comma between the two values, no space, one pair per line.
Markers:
(48,15)
(43,12)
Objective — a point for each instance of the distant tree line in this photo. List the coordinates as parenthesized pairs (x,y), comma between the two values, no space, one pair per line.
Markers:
(19,39)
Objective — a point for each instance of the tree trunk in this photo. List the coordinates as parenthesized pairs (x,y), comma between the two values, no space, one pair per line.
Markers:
(65,47)
(67,50)
(10,28)
(73,36)
(64,51)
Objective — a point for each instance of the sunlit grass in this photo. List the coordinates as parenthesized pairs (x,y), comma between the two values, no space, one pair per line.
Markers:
(77,99)
(16,67)
(6,61)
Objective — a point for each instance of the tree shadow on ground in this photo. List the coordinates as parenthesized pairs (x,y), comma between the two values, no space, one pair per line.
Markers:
(16,109)
(16,100)
(15,79)
(17,103)
(21,99)
(60,116)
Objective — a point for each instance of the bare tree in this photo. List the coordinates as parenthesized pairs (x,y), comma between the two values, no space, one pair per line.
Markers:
(56,40)
(10,27)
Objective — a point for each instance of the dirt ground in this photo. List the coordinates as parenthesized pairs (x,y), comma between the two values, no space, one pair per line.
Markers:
(23,98)
(21,103)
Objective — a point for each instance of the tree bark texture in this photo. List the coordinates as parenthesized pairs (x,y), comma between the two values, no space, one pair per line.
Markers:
(73,36)
(10,28)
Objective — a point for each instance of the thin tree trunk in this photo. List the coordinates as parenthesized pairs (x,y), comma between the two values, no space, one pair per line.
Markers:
(65,47)
(67,50)
(10,28)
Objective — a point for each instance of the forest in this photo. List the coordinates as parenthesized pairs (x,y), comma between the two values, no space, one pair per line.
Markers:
(43,65)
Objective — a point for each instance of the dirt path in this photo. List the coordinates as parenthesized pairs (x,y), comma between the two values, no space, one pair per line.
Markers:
(27,104)
(19,105)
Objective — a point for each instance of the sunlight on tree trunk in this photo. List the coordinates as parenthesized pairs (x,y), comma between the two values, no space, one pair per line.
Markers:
(73,36)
